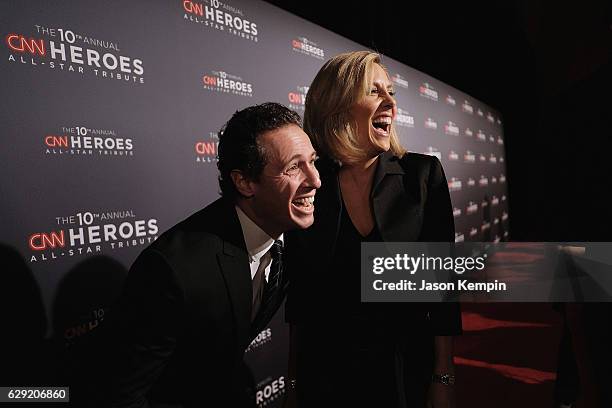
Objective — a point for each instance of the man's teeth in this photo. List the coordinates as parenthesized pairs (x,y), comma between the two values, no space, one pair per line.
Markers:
(306,201)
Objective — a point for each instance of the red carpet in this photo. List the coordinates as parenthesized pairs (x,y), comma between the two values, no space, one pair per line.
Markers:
(507,355)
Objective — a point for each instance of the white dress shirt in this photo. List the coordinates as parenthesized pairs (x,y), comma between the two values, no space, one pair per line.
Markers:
(258,243)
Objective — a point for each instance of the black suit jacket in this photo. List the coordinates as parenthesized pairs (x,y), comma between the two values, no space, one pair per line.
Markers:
(411,202)
(183,321)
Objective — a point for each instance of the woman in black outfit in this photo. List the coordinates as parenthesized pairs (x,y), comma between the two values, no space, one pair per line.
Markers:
(343,352)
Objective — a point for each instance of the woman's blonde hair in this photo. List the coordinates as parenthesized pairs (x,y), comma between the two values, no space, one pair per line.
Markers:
(341,82)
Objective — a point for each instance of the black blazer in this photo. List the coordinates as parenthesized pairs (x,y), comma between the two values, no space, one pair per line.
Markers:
(411,202)
(184,319)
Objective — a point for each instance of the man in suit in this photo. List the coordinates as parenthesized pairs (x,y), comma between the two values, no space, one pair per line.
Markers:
(197,296)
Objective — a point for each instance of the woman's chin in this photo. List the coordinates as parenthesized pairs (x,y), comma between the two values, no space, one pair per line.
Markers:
(381,146)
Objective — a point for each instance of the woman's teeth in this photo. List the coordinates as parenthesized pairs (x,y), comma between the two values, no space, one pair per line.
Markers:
(383,123)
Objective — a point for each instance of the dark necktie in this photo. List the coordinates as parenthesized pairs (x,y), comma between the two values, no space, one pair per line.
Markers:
(272,286)
(276,272)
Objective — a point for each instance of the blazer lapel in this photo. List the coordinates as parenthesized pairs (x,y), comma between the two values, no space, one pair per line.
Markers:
(328,206)
(395,198)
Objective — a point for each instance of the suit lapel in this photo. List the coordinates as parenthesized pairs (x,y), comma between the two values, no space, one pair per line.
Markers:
(235,269)
(234,264)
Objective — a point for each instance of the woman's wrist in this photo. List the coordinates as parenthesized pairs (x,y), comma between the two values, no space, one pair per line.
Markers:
(443,378)
(444,365)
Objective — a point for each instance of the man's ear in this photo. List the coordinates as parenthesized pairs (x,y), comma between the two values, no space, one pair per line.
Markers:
(245,186)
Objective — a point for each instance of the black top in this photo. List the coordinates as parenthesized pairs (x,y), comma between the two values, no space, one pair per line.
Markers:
(344,295)
(346,260)
(410,202)
(357,354)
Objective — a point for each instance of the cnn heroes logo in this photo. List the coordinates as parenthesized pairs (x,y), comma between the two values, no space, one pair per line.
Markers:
(404,118)
(411,264)
(61,49)
(207,149)
(426,90)
(297,98)
(304,46)
(270,392)
(220,16)
(265,336)
(400,81)
(221,81)
(87,141)
(89,323)
(90,232)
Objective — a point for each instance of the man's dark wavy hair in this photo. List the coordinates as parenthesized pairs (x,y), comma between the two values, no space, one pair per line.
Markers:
(238,146)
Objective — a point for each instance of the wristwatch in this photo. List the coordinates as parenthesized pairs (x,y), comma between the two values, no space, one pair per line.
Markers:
(445,379)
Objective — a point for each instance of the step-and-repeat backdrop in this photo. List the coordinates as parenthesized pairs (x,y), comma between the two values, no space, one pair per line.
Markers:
(109,121)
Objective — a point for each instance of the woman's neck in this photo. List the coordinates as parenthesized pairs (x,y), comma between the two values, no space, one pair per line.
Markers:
(362,171)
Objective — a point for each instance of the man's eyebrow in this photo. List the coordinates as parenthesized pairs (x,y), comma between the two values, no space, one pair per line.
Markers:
(297,156)
(292,158)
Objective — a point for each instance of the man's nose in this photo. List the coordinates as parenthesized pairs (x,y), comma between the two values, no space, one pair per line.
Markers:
(312,177)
